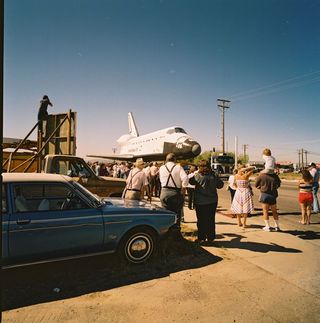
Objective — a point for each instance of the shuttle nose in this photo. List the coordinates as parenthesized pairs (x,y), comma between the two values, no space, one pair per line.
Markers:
(196,149)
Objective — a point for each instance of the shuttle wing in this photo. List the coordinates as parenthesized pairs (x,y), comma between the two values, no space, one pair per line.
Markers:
(115,157)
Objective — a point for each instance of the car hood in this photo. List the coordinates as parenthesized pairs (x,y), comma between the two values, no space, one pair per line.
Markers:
(134,206)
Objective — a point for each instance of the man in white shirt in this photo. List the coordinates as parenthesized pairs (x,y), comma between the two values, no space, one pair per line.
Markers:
(174,181)
(137,182)
(315,187)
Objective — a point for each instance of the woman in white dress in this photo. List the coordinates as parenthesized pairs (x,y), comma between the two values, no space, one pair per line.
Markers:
(242,203)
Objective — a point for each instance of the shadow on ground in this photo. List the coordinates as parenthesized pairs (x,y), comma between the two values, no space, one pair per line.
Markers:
(61,280)
(305,235)
(236,243)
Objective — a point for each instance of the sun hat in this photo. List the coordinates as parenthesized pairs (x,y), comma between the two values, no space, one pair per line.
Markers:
(139,162)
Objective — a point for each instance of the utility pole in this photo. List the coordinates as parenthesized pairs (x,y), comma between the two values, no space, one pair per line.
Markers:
(245,146)
(302,163)
(222,105)
(236,152)
(306,154)
(299,154)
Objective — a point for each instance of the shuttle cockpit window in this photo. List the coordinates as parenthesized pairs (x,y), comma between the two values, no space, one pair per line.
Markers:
(179,130)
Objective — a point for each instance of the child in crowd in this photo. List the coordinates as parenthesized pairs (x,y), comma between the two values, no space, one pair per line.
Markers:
(270,161)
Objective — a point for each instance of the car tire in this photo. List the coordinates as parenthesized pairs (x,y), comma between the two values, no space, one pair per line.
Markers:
(139,245)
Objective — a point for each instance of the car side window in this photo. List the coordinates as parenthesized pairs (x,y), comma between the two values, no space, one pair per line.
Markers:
(22,197)
(46,197)
(4,199)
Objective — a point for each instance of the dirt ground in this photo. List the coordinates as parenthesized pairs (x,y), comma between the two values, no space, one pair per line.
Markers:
(250,276)
(55,281)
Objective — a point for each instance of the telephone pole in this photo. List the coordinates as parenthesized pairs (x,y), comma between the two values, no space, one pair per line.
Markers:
(245,146)
(222,105)
(306,154)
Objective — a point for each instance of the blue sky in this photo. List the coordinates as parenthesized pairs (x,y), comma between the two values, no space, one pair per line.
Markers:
(168,61)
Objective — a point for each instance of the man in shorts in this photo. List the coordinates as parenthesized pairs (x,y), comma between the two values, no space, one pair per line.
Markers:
(268,184)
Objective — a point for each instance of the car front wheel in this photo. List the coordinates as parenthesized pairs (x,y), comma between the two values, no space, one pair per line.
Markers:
(139,245)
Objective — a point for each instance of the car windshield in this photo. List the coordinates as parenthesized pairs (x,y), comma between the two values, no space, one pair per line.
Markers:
(94,199)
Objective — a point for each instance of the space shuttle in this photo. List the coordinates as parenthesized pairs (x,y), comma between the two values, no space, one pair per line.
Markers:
(154,146)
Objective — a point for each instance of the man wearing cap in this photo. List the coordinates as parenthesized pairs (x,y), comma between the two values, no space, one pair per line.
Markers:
(42,112)
(174,181)
(315,187)
(137,182)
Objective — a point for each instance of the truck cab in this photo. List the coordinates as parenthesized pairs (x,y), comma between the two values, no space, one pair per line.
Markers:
(222,164)
(78,169)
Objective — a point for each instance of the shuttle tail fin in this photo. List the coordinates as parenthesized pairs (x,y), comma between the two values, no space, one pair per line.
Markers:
(132,126)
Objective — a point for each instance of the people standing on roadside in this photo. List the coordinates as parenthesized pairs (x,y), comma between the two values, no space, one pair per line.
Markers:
(305,196)
(242,203)
(268,184)
(154,173)
(232,184)
(137,182)
(270,161)
(103,170)
(97,168)
(206,200)
(315,187)
(174,181)
(122,170)
(191,188)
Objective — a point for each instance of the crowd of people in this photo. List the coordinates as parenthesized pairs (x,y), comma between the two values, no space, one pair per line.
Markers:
(172,182)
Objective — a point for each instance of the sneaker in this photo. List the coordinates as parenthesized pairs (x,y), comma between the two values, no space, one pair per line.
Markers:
(277,229)
(266,229)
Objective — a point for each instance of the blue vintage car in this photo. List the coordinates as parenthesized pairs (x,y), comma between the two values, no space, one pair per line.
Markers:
(50,217)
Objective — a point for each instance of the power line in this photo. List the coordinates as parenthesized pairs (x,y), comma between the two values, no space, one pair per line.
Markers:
(277,90)
(261,88)
(292,82)
(286,149)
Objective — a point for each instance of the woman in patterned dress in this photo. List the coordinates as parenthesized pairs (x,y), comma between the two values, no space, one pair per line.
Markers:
(242,203)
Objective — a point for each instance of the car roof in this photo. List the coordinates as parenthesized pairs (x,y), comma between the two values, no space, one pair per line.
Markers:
(34,177)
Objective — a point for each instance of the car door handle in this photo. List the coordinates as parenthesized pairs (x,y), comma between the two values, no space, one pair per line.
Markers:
(23,222)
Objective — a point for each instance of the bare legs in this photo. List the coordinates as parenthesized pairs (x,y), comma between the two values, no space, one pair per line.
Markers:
(309,207)
(305,213)
(244,215)
(239,220)
(265,209)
